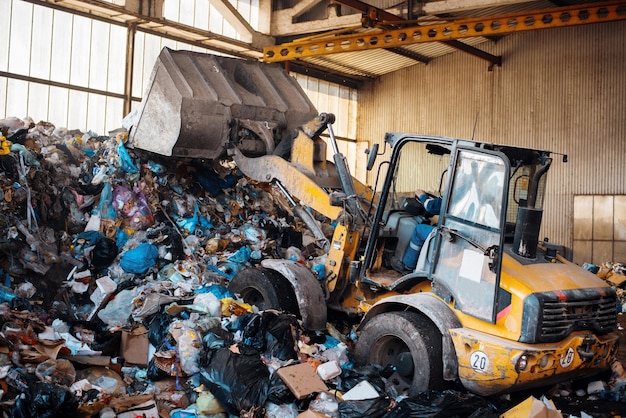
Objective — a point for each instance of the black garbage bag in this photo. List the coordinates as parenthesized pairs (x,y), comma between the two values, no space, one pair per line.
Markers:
(107,342)
(349,378)
(212,182)
(438,404)
(253,331)
(370,408)
(103,253)
(158,326)
(271,334)
(279,393)
(45,400)
(240,382)
(154,373)
(216,338)
(281,334)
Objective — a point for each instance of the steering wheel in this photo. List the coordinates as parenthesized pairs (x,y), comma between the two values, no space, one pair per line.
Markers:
(414,206)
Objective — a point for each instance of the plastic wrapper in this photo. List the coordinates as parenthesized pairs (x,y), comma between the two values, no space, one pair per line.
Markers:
(280,411)
(324,403)
(119,309)
(106,379)
(60,371)
(207,404)
(189,348)
(133,207)
(240,382)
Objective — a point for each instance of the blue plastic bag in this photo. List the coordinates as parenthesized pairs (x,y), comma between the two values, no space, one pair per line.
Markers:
(139,259)
(126,163)
(105,207)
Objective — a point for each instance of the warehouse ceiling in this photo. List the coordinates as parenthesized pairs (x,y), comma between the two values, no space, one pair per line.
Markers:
(349,41)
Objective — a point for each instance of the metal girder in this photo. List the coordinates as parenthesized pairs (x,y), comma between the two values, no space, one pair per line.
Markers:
(373,17)
(460,29)
(323,73)
(242,27)
(493,59)
(409,54)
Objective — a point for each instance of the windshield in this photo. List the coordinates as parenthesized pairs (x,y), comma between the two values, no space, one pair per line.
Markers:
(476,190)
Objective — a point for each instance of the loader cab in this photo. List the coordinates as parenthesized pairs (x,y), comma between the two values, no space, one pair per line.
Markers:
(485,189)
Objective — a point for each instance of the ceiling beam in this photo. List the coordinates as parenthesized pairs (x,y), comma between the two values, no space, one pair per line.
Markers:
(373,16)
(284,22)
(323,73)
(599,12)
(407,53)
(370,15)
(241,25)
(493,59)
(449,6)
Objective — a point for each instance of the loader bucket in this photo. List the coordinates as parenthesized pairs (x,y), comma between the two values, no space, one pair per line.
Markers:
(196,104)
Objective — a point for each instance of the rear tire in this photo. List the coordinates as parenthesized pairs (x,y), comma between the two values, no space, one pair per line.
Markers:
(409,342)
(265,289)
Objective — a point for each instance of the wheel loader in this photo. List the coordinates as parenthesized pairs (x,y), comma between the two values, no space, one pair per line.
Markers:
(490,305)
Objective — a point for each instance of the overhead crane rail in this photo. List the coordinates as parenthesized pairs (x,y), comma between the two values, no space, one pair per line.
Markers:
(459,29)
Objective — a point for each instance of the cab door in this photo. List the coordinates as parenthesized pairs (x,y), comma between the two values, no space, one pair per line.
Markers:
(467,257)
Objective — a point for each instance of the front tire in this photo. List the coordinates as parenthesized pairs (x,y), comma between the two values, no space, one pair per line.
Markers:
(265,289)
(410,343)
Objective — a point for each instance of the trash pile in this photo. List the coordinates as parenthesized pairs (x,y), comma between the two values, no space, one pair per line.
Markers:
(114,301)
(114,267)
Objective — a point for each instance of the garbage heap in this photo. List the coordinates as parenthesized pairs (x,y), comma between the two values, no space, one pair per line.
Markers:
(114,301)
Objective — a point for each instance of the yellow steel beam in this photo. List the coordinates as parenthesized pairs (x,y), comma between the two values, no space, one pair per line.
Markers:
(459,29)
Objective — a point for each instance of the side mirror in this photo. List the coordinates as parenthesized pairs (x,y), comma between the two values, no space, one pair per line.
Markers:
(372,156)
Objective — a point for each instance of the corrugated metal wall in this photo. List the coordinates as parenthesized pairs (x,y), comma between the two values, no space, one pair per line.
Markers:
(559,89)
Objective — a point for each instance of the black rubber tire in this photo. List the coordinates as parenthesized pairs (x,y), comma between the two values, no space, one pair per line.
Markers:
(399,338)
(265,289)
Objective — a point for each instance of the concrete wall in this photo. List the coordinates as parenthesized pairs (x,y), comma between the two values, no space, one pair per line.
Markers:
(558,89)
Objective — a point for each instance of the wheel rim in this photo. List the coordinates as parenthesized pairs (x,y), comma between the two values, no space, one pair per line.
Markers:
(254,297)
(392,351)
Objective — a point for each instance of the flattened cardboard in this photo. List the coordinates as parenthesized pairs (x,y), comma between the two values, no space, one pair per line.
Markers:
(134,347)
(302,380)
(533,408)
(616,279)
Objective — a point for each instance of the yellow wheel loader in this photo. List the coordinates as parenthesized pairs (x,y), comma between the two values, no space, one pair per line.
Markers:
(489,305)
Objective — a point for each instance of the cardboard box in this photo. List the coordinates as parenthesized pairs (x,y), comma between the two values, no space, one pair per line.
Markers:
(533,408)
(302,380)
(135,347)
